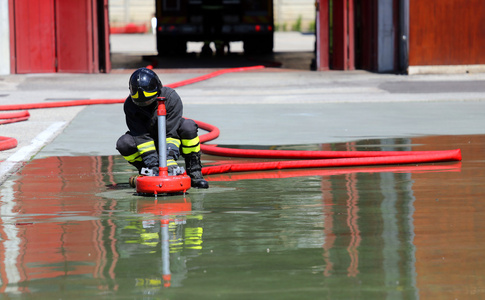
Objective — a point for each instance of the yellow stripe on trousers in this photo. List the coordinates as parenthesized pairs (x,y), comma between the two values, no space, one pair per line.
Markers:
(191,146)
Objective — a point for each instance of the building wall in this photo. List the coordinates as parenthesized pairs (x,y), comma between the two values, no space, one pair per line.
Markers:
(454,35)
(48,36)
(286,12)
(4,38)
(122,12)
(386,32)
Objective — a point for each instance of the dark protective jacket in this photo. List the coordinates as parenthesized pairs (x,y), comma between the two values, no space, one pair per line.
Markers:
(142,122)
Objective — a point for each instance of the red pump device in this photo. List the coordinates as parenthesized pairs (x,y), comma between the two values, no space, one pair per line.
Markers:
(163,183)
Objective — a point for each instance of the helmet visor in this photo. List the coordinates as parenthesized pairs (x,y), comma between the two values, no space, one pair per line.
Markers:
(142,98)
(145,86)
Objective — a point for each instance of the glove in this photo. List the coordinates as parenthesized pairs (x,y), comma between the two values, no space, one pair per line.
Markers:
(174,169)
(155,171)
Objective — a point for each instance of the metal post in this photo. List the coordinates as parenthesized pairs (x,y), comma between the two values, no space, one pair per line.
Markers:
(162,134)
(162,148)
(4,38)
(404,35)
(343,35)
(322,35)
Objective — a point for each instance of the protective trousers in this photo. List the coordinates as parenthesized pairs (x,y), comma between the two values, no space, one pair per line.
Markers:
(145,155)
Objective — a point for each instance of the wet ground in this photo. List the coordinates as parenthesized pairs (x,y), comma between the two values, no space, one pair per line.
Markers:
(72,228)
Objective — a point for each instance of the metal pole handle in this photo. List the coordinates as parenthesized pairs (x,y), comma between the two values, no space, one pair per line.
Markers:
(162,135)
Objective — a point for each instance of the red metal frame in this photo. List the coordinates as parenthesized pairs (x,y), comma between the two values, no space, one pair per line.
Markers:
(33,35)
(49,36)
(343,35)
(368,35)
(11,14)
(322,35)
(105,62)
(74,32)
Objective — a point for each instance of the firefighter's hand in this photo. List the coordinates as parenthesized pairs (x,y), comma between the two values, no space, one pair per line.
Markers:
(155,171)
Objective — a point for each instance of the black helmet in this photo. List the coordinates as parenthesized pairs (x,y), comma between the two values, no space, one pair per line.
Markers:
(145,87)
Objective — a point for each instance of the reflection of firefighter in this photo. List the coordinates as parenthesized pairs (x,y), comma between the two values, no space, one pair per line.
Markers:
(183,237)
(171,238)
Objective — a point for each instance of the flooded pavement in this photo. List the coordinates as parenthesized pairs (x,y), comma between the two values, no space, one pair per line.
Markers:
(71,227)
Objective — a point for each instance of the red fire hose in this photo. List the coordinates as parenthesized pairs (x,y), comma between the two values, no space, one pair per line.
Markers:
(250,153)
(320,159)
(9,143)
(307,159)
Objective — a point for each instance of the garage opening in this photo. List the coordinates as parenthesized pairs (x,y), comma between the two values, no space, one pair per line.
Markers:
(212,34)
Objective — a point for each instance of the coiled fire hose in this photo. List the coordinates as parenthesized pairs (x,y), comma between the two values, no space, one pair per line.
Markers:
(305,159)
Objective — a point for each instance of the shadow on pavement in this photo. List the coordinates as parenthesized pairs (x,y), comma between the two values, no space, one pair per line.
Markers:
(284,60)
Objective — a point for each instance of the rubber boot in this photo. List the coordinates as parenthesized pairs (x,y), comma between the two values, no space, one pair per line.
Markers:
(194,170)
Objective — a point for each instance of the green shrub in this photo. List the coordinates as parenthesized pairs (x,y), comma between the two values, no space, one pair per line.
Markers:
(297,25)
(311,26)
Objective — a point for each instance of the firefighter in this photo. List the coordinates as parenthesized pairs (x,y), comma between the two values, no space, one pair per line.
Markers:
(139,145)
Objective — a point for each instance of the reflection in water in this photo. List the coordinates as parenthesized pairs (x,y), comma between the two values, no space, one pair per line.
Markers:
(170,231)
(368,234)
(391,185)
(71,226)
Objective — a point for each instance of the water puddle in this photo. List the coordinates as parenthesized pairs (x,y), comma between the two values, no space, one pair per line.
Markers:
(72,227)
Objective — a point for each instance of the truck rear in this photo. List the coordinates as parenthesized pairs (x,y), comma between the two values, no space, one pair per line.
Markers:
(218,21)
